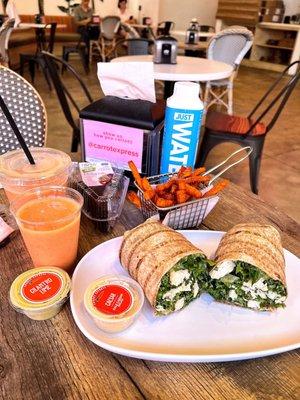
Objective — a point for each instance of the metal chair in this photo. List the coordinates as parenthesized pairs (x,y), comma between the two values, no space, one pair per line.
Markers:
(5,32)
(81,50)
(94,41)
(43,44)
(205,28)
(109,27)
(65,98)
(27,109)
(132,47)
(164,28)
(248,131)
(229,46)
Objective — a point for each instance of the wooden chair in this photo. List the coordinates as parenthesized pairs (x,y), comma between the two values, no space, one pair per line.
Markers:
(248,131)
(65,98)
(229,46)
(42,45)
(5,32)
(26,107)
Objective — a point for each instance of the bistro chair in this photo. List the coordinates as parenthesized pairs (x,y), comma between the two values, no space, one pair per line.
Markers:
(27,109)
(5,32)
(248,131)
(164,28)
(229,46)
(44,43)
(109,27)
(94,41)
(64,96)
(205,28)
(131,47)
(81,50)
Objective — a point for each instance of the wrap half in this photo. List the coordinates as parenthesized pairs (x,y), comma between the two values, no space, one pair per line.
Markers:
(170,269)
(250,268)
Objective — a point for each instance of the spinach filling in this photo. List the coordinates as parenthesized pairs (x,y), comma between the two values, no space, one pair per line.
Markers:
(250,287)
(183,283)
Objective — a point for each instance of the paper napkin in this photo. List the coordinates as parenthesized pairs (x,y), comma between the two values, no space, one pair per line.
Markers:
(127,80)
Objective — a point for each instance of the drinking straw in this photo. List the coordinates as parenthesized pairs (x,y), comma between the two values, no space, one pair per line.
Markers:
(16,130)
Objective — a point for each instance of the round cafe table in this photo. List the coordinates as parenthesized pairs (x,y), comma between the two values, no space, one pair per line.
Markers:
(187,69)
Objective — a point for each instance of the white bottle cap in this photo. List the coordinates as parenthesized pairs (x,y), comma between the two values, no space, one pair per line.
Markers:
(191,89)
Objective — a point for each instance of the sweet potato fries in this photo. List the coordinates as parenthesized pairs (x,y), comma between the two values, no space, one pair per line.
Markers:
(183,187)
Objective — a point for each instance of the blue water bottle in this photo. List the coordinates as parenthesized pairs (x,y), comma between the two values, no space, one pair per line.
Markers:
(182,127)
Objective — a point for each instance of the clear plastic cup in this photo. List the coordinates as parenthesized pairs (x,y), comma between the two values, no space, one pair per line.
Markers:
(49,220)
(51,168)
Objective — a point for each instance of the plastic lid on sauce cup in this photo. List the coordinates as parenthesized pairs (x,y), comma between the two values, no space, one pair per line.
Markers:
(114,302)
(15,169)
(40,292)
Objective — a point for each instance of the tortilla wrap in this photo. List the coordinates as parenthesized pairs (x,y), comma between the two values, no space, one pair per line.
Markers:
(255,244)
(149,246)
(151,250)
(136,236)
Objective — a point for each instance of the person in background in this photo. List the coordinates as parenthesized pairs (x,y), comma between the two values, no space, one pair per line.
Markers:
(83,16)
(124,13)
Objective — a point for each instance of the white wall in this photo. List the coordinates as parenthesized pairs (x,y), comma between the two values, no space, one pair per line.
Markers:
(150,8)
(179,11)
(50,7)
(292,7)
(182,11)
(107,7)
(27,6)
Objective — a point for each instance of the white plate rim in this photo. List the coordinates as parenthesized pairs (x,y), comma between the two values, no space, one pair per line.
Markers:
(173,357)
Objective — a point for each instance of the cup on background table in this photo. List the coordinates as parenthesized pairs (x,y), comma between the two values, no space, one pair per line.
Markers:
(51,168)
(49,220)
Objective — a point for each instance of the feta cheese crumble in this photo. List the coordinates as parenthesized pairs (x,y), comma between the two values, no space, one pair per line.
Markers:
(222,269)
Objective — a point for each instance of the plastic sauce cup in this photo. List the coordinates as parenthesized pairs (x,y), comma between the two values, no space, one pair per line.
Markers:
(49,221)
(51,168)
(40,293)
(114,302)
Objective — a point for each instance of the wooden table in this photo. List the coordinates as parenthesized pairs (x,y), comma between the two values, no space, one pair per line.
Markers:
(53,360)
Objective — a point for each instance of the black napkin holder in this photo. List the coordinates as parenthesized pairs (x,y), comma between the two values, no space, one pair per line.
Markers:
(126,113)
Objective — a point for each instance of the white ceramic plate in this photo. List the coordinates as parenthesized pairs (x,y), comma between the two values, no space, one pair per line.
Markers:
(205,331)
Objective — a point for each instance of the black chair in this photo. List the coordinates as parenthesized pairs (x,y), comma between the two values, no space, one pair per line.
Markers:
(164,27)
(132,47)
(91,33)
(44,43)
(205,28)
(53,63)
(81,50)
(248,131)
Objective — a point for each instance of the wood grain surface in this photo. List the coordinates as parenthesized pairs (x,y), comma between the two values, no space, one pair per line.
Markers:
(41,360)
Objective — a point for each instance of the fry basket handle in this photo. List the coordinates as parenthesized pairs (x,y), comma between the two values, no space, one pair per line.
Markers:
(248,150)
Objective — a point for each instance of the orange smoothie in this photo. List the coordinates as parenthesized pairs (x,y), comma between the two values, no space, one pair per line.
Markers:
(50,228)
(51,168)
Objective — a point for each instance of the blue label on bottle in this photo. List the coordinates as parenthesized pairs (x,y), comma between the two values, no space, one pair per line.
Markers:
(180,140)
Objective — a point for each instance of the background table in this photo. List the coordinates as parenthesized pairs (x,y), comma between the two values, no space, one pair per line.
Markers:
(186,69)
(29,25)
(41,360)
(201,34)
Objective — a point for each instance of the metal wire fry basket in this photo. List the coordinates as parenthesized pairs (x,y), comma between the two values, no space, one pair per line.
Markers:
(180,216)
(190,214)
